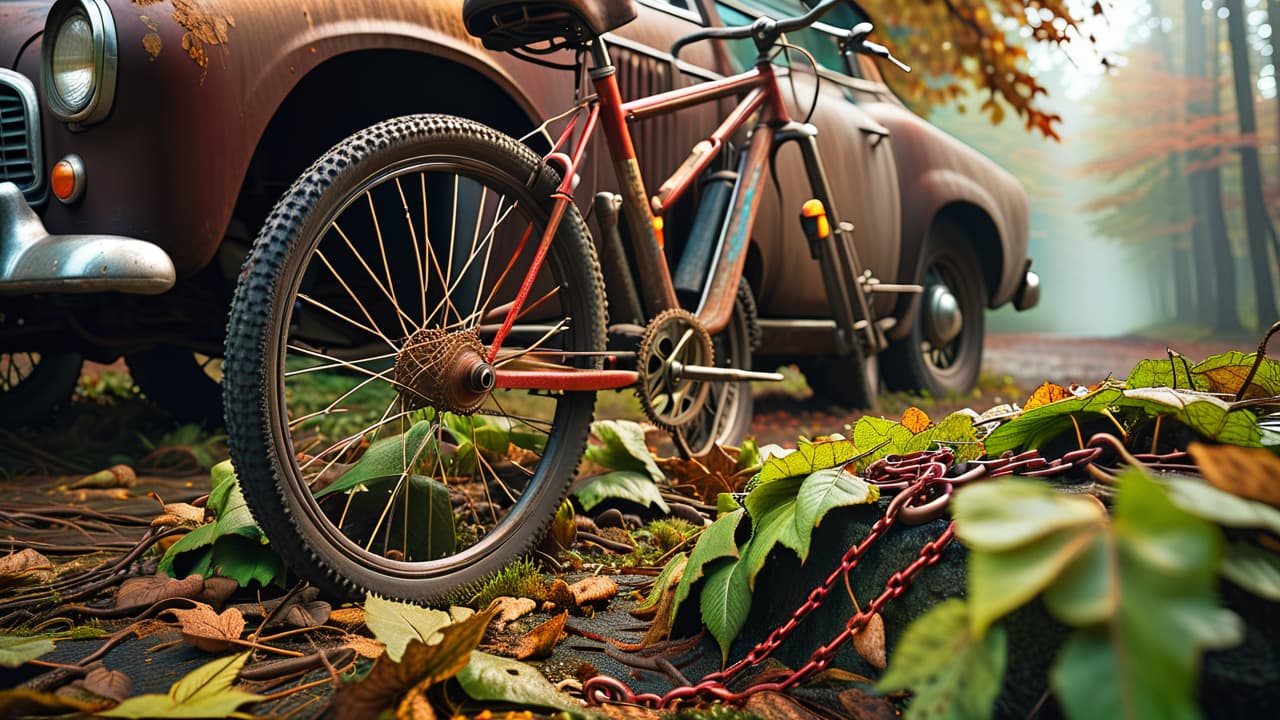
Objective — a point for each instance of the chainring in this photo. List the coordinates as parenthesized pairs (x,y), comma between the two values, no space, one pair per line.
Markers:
(673,336)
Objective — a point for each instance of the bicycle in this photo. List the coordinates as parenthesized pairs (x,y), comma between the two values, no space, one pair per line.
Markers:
(457,384)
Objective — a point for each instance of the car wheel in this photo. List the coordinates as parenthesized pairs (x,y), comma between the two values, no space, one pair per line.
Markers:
(943,352)
(370,440)
(33,385)
(832,381)
(726,415)
(186,385)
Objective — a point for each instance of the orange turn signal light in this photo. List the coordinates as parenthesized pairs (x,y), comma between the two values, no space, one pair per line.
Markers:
(67,179)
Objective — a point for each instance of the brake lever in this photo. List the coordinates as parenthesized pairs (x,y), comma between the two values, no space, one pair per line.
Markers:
(883,52)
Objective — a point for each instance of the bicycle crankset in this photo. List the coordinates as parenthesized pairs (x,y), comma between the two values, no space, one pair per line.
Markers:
(673,340)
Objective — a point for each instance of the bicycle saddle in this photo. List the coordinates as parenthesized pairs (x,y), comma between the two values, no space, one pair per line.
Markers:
(510,24)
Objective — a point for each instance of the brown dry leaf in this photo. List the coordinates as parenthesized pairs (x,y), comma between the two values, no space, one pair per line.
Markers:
(869,642)
(304,615)
(420,667)
(218,590)
(510,609)
(110,684)
(116,476)
(628,712)
(154,588)
(415,706)
(365,647)
(859,705)
(186,512)
(347,617)
(706,475)
(25,564)
(560,595)
(777,706)
(22,702)
(1047,393)
(207,630)
(593,590)
(915,420)
(540,641)
(1251,473)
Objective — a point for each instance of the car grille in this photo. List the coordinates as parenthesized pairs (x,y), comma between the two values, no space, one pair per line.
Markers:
(20,135)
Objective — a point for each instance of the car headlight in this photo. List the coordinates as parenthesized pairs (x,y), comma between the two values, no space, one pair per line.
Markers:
(79,60)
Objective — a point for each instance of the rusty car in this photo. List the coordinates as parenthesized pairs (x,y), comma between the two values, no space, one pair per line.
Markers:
(143,142)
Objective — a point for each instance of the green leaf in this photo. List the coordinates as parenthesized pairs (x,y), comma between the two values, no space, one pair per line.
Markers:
(1001,582)
(778,526)
(1206,414)
(222,477)
(726,503)
(663,581)
(726,600)
(1173,373)
(716,542)
(244,561)
(953,673)
(232,545)
(201,537)
(1008,513)
(629,485)
(873,432)
(488,677)
(1226,373)
(748,454)
(1207,502)
(767,497)
(396,623)
(387,458)
(622,448)
(808,458)
(1157,573)
(1037,426)
(18,650)
(823,491)
(205,692)
(428,525)
(1253,568)
(956,431)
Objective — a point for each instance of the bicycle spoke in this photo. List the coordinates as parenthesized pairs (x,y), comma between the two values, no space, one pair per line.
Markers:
(312,301)
(391,285)
(372,275)
(417,254)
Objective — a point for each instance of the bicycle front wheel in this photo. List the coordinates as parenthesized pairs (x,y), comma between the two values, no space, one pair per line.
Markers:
(369,443)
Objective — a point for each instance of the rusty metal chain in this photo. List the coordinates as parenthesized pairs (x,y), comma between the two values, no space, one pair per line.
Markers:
(922,484)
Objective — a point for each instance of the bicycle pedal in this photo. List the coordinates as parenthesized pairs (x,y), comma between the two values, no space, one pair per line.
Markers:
(708,373)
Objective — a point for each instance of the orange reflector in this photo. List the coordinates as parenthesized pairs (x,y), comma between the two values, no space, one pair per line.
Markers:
(63,180)
(658,226)
(814,210)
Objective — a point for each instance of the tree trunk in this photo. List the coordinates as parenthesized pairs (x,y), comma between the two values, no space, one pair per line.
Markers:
(1273,19)
(1227,317)
(1257,222)
(1197,190)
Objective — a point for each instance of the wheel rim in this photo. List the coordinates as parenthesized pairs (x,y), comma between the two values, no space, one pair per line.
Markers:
(717,423)
(944,338)
(428,244)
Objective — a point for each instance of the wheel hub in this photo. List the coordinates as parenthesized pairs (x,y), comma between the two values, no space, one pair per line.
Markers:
(672,340)
(943,319)
(444,370)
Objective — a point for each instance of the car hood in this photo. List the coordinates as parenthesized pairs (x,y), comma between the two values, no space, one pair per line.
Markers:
(20,20)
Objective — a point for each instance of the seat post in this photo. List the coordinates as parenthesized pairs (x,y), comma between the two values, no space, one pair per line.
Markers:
(601,62)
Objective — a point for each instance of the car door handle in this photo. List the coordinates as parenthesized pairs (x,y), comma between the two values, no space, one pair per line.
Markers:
(878,133)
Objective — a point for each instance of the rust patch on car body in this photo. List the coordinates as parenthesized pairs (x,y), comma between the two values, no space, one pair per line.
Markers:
(151,42)
(203,27)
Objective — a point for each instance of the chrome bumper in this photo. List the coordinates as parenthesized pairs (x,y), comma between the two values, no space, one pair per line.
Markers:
(1028,295)
(33,261)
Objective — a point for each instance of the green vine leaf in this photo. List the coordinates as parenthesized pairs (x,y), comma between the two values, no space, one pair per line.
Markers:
(716,542)
(636,487)
(622,448)
(726,600)
(822,492)
(1039,425)
(953,673)
(1224,373)
(956,431)
(1206,414)
(388,458)
(231,546)
(807,458)
(779,526)
(1253,568)
(888,436)
(1207,502)
(205,692)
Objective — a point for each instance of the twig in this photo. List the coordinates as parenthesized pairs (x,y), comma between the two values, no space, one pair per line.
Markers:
(1257,361)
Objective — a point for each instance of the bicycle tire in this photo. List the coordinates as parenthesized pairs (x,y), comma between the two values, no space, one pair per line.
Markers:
(273,316)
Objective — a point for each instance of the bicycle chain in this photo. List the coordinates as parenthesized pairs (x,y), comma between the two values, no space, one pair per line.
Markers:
(908,476)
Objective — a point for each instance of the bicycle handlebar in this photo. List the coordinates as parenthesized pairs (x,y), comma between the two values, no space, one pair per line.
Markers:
(764,30)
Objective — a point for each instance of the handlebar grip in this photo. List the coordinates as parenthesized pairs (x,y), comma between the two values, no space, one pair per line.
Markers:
(721,33)
(773,28)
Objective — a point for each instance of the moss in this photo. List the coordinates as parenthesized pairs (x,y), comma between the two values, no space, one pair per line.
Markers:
(667,533)
(519,579)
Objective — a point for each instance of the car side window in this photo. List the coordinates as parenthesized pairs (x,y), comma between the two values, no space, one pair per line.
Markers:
(820,43)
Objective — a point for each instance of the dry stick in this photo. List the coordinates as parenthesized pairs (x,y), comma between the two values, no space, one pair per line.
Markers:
(1257,361)
(269,616)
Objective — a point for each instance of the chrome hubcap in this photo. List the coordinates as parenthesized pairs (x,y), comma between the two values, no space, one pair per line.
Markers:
(943,319)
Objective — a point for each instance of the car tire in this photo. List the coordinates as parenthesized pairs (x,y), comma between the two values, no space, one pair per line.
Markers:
(34,385)
(942,354)
(185,385)
(829,378)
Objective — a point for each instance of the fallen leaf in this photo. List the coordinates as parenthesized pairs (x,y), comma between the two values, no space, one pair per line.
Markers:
(218,590)
(365,647)
(510,609)
(488,677)
(205,692)
(559,594)
(776,706)
(915,419)
(21,702)
(16,650)
(347,617)
(186,512)
(869,642)
(116,476)
(628,712)
(1249,473)
(415,706)
(398,623)
(151,589)
(209,631)
(305,615)
(540,641)
(420,666)
(23,566)
(593,590)
(110,684)
(706,475)
(860,705)
(1047,393)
